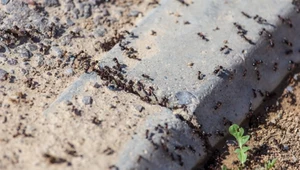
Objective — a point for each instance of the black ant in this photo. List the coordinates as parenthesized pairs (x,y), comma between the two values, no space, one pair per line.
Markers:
(246,15)
(183,2)
(275,66)
(226,122)
(288,52)
(257,74)
(177,147)
(147,133)
(254,93)
(219,68)
(248,40)
(147,77)
(153,33)
(285,41)
(286,21)
(218,105)
(203,36)
(271,42)
(257,62)
(226,47)
(259,19)
(261,93)
(244,72)
(219,133)
(200,75)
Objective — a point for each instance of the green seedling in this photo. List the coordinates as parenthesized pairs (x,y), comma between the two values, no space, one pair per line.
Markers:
(238,133)
(224,167)
(270,164)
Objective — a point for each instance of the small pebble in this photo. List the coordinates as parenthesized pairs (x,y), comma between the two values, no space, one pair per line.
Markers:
(68,103)
(100,32)
(32,47)
(68,72)
(56,51)
(139,108)
(70,22)
(24,53)
(87,12)
(97,85)
(4,2)
(3,75)
(3,58)
(12,62)
(289,89)
(76,13)
(51,3)
(285,148)
(38,60)
(87,100)
(134,13)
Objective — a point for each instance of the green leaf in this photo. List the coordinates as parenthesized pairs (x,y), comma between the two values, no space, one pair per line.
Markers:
(233,129)
(237,151)
(224,167)
(244,139)
(242,157)
(245,149)
(270,164)
(240,132)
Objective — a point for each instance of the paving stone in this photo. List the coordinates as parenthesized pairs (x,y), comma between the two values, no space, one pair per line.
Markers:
(236,52)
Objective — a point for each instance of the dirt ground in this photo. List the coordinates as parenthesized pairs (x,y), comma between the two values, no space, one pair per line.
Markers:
(274,132)
(44,47)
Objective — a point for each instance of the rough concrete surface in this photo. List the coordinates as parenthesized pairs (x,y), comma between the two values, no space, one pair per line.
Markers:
(239,64)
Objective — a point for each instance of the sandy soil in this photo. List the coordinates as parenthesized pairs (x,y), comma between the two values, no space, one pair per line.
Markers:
(38,62)
(274,131)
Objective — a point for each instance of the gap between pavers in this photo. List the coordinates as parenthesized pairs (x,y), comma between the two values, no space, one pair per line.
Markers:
(175,46)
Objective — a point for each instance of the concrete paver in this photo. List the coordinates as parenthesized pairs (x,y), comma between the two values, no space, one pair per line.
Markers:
(211,57)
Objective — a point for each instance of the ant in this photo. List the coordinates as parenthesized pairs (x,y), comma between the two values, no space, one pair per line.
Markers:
(147,77)
(254,93)
(286,21)
(246,15)
(226,122)
(244,72)
(147,133)
(288,52)
(226,47)
(219,68)
(203,36)
(218,105)
(275,66)
(153,33)
(257,74)
(259,19)
(183,2)
(271,42)
(200,75)
(285,41)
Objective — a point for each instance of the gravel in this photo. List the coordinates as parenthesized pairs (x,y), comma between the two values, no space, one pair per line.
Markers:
(3,75)
(51,3)
(4,2)
(87,11)
(134,13)
(12,62)
(87,100)
(57,51)
(139,108)
(68,72)
(32,47)
(100,32)
(24,53)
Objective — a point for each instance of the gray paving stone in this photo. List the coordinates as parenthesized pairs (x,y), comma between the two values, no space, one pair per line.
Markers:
(202,36)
